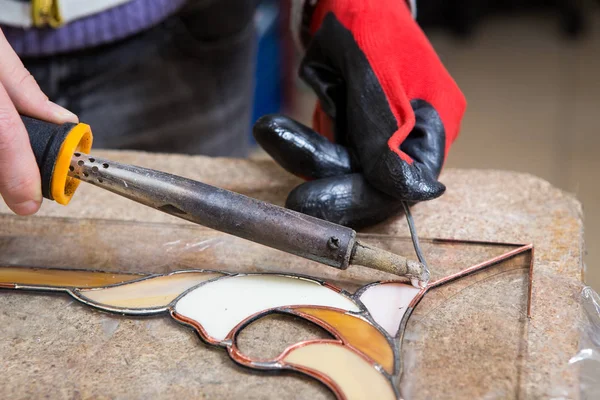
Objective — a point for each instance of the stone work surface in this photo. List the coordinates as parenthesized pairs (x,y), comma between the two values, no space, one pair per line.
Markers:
(470,339)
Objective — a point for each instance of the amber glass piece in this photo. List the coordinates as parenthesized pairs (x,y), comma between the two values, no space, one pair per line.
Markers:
(353,377)
(62,277)
(149,293)
(357,333)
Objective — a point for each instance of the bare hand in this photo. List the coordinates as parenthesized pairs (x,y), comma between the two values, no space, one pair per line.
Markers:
(20,184)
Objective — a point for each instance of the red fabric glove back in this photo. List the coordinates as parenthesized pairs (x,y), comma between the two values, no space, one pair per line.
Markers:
(407,68)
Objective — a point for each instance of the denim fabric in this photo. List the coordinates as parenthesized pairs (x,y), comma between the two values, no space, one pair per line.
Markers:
(184,86)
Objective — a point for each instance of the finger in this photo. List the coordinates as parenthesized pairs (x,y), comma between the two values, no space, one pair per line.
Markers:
(346,200)
(24,91)
(20,183)
(426,142)
(403,181)
(300,150)
(425,146)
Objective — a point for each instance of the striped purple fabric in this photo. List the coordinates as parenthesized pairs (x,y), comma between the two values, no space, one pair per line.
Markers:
(105,27)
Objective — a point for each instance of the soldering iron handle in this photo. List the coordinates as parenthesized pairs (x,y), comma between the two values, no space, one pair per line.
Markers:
(53,146)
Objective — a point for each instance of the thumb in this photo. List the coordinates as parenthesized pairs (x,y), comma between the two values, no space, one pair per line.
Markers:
(20,184)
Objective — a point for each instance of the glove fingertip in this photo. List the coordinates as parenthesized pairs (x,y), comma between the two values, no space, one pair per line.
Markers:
(299,149)
(266,128)
(302,199)
(272,133)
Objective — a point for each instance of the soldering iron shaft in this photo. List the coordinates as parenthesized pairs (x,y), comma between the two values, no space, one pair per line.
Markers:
(242,216)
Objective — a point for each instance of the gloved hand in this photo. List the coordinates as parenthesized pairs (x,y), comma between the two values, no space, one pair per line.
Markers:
(389,107)
(20,184)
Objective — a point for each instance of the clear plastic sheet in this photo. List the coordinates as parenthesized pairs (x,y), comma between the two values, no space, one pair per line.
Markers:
(156,248)
(588,357)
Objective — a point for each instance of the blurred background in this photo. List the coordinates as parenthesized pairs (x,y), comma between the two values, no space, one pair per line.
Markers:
(528,69)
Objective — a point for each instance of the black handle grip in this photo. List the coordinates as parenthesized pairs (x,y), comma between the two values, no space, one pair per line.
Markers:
(46,140)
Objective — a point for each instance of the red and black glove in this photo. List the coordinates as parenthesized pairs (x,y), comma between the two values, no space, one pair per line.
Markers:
(389,107)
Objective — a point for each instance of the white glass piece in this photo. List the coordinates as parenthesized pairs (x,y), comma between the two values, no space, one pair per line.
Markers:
(387,303)
(220,305)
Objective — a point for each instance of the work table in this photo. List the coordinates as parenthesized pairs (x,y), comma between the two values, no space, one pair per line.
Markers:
(49,345)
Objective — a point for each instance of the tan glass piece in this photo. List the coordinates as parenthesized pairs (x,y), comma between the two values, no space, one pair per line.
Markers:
(357,333)
(61,278)
(354,377)
(149,293)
